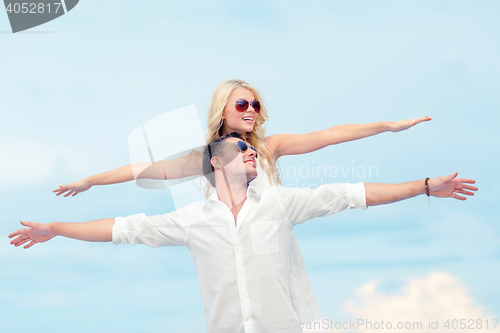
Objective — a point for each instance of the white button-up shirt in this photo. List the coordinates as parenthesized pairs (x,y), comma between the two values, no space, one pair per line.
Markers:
(243,270)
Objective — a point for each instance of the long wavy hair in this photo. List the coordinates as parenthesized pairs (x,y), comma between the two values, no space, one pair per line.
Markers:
(256,137)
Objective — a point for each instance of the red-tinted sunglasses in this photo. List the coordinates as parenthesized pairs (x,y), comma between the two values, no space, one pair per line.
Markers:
(241,105)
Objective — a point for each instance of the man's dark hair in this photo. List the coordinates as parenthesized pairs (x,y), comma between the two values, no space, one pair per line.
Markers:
(213,149)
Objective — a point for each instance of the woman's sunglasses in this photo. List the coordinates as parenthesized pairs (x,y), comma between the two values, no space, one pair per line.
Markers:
(243,146)
(241,105)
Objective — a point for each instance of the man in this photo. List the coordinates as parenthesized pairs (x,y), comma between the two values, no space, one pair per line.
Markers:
(239,238)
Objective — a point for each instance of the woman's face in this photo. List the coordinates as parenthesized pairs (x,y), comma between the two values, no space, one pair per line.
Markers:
(234,121)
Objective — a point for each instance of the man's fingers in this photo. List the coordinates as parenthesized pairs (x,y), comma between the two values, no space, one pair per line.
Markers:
(464,180)
(467,187)
(30,244)
(451,177)
(22,242)
(15,233)
(19,238)
(27,224)
(458,197)
(464,192)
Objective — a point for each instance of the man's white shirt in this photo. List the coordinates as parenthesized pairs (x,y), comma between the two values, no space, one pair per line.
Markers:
(243,270)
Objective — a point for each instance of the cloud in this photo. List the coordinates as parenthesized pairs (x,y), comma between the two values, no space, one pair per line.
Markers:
(24,160)
(439,297)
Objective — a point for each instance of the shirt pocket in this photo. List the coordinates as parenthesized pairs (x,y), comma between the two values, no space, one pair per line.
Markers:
(265,237)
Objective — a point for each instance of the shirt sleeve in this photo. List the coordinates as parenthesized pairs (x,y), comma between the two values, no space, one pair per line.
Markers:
(154,231)
(301,205)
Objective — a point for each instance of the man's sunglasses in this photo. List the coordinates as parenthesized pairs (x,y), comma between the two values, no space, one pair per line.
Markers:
(243,146)
(229,152)
(241,105)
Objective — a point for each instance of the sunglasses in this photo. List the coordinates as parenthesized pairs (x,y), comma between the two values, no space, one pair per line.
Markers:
(230,154)
(241,105)
(243,146)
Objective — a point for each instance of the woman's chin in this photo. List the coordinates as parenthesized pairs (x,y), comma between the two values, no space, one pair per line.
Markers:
(248,127)
(244,128)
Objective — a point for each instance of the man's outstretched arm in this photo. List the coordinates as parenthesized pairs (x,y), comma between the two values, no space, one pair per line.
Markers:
(92,231)
(441,187)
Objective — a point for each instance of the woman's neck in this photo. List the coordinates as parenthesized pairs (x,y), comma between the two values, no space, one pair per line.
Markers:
(225,130)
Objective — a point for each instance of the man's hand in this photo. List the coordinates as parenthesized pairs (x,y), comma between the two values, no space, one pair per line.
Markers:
(402,125)
(34,233)
(73,188)
(449,186)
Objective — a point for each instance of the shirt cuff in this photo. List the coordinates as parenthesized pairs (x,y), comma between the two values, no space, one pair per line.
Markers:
(359,196)
(117,230)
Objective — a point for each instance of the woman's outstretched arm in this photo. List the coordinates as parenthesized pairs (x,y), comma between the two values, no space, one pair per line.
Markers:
(184,166)
(120,175)
(294,144)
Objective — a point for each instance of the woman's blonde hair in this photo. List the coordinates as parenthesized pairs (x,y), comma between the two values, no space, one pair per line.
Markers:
(256,137)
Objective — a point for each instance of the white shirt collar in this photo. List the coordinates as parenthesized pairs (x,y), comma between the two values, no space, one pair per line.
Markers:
(252,192)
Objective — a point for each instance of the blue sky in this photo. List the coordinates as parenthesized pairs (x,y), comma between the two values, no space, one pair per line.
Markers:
(73,90)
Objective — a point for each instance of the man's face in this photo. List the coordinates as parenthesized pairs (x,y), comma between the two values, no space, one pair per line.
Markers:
(237,163)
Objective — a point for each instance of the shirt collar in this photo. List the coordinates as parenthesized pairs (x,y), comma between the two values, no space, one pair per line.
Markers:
(252,191)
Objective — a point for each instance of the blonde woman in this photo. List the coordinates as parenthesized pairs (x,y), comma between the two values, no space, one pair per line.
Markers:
(236,106)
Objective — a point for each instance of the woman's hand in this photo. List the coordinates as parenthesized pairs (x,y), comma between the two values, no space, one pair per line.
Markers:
(402,125)
(449,186)
(34,233)
(73,188)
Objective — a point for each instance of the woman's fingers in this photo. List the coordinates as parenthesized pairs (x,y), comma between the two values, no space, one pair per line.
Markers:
(67,190)
(421,119)
(60,190)
(426,118)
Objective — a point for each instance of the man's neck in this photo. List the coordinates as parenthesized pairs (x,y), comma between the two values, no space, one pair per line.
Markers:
(233,195)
